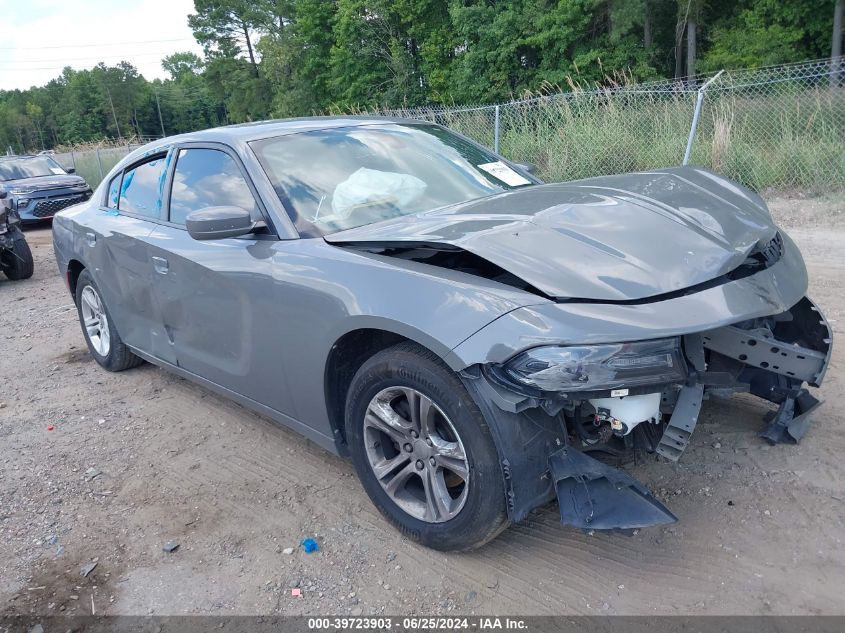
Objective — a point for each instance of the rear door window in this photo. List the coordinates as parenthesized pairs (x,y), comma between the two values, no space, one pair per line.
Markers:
(208,178)
(140,190)
(113,195)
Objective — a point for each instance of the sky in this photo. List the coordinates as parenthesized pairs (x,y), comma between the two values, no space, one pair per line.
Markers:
(40,37)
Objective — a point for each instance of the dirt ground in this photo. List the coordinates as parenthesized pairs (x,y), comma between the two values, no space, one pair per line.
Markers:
(108,467)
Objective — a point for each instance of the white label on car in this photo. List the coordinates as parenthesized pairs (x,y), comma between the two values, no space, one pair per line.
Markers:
(618,393)
(505,174)
(58,171)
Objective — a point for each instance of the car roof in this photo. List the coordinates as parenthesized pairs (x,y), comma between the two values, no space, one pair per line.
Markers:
(17,157)
(245,132)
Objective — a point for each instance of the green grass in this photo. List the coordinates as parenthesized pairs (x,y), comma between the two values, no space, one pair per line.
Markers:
(785,139)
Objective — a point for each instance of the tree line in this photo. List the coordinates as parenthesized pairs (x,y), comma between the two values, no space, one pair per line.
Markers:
(283,58)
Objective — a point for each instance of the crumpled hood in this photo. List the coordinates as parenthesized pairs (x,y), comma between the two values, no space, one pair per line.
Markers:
(41,183)
(612,238)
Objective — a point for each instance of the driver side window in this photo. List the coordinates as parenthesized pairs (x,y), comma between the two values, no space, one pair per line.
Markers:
(208,178)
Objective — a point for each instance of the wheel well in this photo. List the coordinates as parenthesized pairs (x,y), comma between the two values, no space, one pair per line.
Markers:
(348,353)
(74,269)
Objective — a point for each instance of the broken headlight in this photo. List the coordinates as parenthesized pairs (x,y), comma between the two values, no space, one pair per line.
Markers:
(599,367)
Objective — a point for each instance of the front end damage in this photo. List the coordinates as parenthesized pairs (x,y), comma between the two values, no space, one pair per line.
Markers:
(618,338)
(567,443)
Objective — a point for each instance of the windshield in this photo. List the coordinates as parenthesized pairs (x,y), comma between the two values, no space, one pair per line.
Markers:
(343,178)
(19,168)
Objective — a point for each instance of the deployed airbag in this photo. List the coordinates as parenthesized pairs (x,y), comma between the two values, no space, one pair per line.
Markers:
(367,187)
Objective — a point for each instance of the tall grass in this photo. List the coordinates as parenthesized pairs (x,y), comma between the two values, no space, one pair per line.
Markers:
(789,137)
(600,134)
(779,141)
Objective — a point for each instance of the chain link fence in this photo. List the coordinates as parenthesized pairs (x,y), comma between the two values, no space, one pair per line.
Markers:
(779,127)
(94,163)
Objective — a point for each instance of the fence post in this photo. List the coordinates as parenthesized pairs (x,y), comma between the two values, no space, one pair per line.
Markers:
(699,99)
(496,131)
(73,160)
(100,164)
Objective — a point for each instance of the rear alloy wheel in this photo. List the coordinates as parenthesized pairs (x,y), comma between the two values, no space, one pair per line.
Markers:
(423,451)
(95,320)
(103,341)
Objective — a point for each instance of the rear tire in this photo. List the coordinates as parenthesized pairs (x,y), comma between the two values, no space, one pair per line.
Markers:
(102,338)
(451,495)
(17,261)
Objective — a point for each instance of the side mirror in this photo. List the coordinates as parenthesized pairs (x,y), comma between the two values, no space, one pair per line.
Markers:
(71,170)
(3,193)
(215,223)
(531,168)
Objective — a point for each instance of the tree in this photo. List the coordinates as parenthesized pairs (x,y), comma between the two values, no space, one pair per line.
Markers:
(36,115)
(766,32)
(836,43)
(369,61)
(246,97)
(300,57)
(179,65)
(227,27)
(295,59)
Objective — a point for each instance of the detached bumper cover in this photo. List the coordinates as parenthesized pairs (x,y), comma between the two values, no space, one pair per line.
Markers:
(592,495)
(792,419)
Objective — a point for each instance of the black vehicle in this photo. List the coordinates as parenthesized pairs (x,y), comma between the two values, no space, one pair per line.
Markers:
(40,186)
(15,256)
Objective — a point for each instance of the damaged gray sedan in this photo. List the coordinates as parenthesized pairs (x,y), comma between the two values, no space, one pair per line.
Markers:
(477,341)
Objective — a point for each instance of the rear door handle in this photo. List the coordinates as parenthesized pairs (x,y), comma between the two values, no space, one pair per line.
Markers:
(91,238)
(161,265)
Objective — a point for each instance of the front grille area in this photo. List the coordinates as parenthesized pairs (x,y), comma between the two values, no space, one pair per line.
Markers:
(48,208)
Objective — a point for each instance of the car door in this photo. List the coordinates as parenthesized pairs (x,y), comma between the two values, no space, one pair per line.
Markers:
(215,296)
(117,250)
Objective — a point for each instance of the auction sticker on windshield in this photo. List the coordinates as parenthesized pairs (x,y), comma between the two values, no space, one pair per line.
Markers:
(504,173)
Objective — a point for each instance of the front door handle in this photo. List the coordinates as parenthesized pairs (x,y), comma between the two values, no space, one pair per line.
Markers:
(161,265)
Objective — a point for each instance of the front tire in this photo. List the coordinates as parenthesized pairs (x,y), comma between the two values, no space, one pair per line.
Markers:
(102,338)
(17,260)
(423,451)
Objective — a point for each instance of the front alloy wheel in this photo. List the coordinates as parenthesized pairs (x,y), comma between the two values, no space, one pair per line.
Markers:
(416,454)
(423,450)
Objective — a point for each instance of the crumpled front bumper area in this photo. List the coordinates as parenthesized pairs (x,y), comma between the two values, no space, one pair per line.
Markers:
(774,358)
(774,363)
